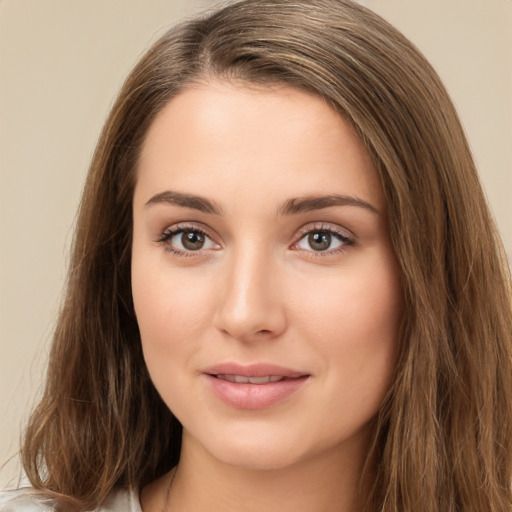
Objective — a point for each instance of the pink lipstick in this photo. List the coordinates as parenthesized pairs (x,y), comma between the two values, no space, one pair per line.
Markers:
(254,386)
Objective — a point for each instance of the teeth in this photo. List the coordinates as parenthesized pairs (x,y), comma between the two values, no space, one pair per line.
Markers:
(250,380)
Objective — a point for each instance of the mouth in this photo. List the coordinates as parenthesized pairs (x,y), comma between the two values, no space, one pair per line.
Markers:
(235,372)
(255,386)
(242,379)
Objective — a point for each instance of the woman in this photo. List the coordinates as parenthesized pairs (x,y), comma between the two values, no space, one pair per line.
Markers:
(283,241)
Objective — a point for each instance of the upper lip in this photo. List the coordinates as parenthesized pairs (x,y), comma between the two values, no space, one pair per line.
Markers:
(253,370)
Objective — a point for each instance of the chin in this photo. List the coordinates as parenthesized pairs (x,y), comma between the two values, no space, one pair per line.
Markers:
(252,448)
(264,447)
(257,458)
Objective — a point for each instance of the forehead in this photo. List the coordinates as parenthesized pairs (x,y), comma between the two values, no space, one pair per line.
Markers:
(234,140)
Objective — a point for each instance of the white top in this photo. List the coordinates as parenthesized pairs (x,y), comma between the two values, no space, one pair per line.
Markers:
(28,500)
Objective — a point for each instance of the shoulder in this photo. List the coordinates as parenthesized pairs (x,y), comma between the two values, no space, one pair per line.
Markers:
(27,499)
(121,500)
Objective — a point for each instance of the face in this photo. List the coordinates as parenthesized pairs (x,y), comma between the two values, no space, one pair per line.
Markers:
(265,286)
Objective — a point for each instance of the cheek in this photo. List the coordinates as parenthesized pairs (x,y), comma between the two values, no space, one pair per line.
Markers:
(170,314)
(355,305)
(164,308)
(167,300)
(354,322)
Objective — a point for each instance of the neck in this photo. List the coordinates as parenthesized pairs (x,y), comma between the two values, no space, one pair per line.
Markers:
(202,483)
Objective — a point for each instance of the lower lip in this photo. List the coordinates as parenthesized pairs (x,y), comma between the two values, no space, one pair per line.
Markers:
(254,396)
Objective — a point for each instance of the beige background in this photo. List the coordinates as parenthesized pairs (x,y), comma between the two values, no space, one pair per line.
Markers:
(61,63)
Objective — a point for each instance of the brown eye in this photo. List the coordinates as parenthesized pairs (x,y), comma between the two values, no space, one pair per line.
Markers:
(185,240)
(192,240)
(323,240)
(320,241)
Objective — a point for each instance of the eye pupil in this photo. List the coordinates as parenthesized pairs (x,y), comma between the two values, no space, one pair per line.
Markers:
(319,241)
(192,240)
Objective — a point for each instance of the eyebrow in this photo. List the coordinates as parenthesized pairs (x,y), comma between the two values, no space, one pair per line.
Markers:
(290,207)
(185,200)
(309,203)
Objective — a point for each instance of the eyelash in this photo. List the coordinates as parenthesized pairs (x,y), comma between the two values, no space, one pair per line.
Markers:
(169,233)
(346,241)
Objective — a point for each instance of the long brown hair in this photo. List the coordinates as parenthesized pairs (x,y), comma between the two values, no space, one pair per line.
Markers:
(443,436)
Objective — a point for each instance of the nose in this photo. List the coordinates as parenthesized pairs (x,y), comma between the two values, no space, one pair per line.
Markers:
(250,307)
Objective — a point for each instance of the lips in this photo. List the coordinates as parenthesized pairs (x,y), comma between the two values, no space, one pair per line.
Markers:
(254,386)
(242,379)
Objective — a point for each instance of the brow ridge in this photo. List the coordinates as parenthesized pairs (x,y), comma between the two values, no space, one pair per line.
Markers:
(309,203)
(292,206)
(185,200)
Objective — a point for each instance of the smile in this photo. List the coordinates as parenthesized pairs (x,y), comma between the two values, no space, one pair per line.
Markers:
(252,380)
(255,386)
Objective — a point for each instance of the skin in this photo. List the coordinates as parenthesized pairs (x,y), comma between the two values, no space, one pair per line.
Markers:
(257,292)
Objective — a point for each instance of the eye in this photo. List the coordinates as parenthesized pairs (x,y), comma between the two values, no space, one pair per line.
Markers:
(322,240)
(319,241)
(183,240)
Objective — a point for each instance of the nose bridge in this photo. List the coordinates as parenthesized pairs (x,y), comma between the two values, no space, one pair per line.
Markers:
(250,304)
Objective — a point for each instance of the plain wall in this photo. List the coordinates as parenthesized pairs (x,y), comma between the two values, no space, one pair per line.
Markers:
(61,64)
